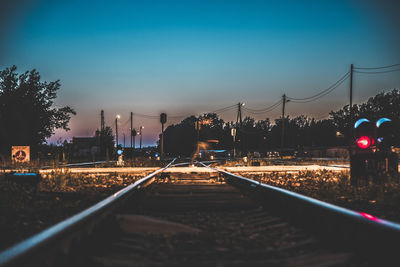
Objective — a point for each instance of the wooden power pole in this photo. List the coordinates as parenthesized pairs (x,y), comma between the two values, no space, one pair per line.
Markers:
(351,95)
(240,133)
(283,123)
(116,130)
(132,130)
(350,131)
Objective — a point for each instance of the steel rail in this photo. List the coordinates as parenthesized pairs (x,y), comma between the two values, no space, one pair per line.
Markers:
(360,232)
(60,164)
(61,235)
(189,163)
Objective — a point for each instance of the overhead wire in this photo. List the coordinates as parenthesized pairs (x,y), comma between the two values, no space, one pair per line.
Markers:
(376,72)
(221,110)
(322,93)
(176,117)
(376,68)
(362,70)
(110,124)
(147,116)
(125,123)
(264,110)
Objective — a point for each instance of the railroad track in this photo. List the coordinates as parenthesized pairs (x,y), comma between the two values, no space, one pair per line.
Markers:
(214,219)
(199,222)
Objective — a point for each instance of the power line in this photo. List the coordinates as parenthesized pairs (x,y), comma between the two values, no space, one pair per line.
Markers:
(148,116)
(125,123)
(110,122)
(221,110)
(176,117)
(322,93)
(325,91)
(377,68)
(264,110)
(376,72)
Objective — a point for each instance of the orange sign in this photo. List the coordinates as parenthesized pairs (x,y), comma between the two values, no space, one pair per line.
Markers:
(20,153)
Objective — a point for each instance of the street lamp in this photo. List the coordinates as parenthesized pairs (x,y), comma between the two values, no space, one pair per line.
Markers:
(163,120)
(140,133)
(116,128)
(233,133)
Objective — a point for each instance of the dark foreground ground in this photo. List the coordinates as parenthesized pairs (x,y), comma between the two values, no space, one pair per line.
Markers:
(208,224)
(25,212)
(380,200)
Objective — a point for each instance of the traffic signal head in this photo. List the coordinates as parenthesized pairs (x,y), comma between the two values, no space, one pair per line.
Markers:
(120,151)
(384,133)
(364,133)
(163,117)
(364,142)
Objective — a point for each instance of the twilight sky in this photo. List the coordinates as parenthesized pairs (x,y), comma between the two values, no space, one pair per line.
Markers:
(189,57)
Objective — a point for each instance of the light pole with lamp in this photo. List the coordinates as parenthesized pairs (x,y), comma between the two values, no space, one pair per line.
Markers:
(116,129)
(140,133)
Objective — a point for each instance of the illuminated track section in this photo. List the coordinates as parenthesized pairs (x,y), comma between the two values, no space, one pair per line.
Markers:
(60,237)
(359,232)
(209,217)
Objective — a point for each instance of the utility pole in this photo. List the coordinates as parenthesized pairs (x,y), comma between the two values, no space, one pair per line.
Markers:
(140,133)
(240,113)
(116,130)
(239,119)
(351,94)
(197,126)
(102,126)
(124,141)
(351,110)
(132,130)
(233,133)
(163,120)
(283,123)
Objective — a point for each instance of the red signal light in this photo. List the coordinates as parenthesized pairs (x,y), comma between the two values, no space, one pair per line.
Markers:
(370,217)
(364,142)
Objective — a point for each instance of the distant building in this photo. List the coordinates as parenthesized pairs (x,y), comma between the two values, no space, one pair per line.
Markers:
(322,152)
(85,147)
(337,152)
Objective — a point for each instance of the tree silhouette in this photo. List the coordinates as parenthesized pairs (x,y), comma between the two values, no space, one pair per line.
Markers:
(180,138)
(105,140)
(300,131)
(27,114)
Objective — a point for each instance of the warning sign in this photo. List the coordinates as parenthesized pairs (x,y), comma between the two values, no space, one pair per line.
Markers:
(20,153)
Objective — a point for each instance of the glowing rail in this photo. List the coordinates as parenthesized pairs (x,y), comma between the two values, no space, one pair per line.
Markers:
(61,236)
(358,231)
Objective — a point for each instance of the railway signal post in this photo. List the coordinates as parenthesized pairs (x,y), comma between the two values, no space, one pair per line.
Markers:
(372,157)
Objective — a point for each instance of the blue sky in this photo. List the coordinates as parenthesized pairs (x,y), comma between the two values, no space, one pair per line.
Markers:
(188,57)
